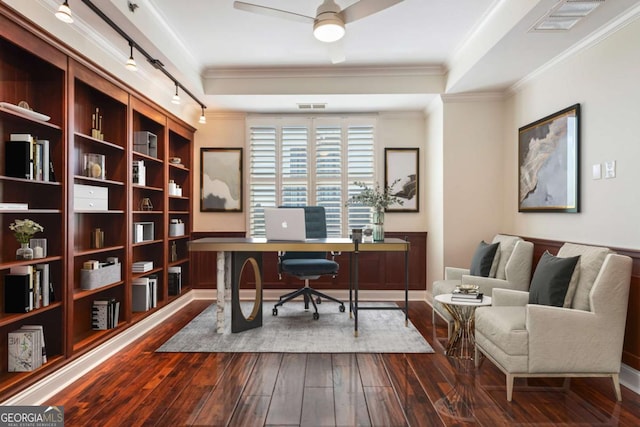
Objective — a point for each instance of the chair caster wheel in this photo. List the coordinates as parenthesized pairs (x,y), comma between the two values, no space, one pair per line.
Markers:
(318,300)
(274,311)
(341,308)
(316,316)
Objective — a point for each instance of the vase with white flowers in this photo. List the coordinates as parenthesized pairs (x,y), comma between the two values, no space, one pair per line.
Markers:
(25,229)
(377,198)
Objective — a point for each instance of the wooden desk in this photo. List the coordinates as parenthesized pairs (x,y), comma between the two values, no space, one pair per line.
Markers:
(236,253)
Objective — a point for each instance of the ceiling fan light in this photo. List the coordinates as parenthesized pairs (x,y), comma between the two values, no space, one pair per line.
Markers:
(64,13)
(328,29)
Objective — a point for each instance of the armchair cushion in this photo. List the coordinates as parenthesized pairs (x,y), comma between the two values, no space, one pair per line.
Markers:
(483,259)
(551,280)
(591,259)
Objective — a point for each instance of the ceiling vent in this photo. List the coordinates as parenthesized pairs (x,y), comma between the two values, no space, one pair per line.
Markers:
(564,15)
(312,106)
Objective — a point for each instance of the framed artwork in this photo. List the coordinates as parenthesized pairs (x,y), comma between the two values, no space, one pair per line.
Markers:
(401,174)
(549,163)
(221,180)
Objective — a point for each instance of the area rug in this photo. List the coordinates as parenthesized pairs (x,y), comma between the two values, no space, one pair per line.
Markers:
(295,331)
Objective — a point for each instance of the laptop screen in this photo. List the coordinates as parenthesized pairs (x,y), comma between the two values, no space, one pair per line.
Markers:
(285,224)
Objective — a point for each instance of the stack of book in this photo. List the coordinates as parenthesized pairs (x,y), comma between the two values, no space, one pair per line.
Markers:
(26,349)
(142,266)
(105,314)
(139,172)
(28,157)
(472,296)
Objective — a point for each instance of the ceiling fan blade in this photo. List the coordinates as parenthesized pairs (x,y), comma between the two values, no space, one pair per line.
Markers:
(269,11)
(364,8)
(336,51)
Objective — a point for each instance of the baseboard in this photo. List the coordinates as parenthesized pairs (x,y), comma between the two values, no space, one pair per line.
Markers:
(44,389)
(630,378)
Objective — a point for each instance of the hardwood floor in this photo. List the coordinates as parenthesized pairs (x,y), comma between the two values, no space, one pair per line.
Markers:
(141,387)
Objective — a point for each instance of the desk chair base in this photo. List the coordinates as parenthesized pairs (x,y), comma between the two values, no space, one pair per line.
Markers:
(308,294)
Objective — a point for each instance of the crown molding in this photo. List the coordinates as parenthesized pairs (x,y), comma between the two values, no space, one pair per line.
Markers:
(473,97)
(324,71)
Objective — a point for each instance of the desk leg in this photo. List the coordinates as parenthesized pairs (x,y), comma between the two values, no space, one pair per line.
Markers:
(355,302)
(350,286)
(406,288)
(221,282)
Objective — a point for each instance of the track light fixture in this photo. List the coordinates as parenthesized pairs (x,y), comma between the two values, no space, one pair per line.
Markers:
(202,119)
(176,97)
(131,63)
(64,13)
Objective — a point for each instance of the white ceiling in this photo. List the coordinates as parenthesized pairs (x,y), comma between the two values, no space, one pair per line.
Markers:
(397,59)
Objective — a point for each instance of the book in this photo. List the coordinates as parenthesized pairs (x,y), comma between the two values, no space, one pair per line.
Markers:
(17,293)
(45,282)
(43,346)
(45,162)
(469,297)
(175,280)
(99,315)
(140,295)
(142,266)
(153,291)
(139,172)
(24,350)
(18,159)
(14,206)
(30,271)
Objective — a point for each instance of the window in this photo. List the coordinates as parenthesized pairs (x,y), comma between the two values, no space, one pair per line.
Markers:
(298,162)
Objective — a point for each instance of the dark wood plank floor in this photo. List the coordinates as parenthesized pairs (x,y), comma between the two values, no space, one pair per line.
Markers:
(140,387)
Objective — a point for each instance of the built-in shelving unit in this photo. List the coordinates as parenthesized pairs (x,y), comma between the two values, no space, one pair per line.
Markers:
(90,112)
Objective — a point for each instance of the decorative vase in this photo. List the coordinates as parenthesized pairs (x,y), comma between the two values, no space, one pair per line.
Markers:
(378,225)
(24,252)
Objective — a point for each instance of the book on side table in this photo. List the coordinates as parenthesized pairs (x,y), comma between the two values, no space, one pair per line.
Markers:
(467,296)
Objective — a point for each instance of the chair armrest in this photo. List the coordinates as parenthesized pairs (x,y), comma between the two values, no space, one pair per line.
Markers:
(570,340)
(454,273)
(509,297)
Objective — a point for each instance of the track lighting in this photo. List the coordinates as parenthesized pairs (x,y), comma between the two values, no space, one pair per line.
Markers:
(202,119)
(64,13)
(131,63)
(176,97)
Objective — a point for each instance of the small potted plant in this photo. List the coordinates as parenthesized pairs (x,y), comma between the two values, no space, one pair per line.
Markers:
(377,198)
(24,230)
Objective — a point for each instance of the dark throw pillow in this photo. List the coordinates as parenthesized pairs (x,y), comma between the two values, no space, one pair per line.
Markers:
(483,258)
(551,280)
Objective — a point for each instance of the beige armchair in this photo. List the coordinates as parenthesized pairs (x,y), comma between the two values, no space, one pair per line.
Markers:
(584,339)
(512,271)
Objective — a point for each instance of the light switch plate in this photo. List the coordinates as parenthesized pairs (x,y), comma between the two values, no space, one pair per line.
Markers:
(610,169)
(597,172)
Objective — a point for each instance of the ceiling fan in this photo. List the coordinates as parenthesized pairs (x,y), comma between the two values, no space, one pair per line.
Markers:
(329,22)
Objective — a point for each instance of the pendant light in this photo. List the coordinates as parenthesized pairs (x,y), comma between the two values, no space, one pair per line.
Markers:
(176,97)
(131,63)
(64,13)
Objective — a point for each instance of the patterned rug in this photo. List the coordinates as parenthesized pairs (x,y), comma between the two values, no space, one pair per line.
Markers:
(295,331)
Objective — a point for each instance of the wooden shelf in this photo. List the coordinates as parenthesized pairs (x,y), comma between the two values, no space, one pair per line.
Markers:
(10,114)
(98,141)
(8,319)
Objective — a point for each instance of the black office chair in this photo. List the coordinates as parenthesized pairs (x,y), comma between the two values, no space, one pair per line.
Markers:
(309,265)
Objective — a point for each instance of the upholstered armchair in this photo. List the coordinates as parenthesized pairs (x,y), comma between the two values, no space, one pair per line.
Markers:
(581,337)
(510,269)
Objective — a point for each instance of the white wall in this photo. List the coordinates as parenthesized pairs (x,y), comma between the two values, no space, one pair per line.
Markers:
(228,130)
(604,80)
(473,176)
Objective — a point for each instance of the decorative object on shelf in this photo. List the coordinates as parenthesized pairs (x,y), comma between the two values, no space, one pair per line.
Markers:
(145,143)
(96,125)
(145,204)
(221,179)
(552,140)
(176,227)
(377,198)
(174,252)
(25,111)
(402,171)
(97,239)
(94,166)
(175,160)
(39,247)
(24,229)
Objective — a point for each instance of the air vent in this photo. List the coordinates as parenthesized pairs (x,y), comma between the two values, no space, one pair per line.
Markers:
(566,14)
(312,106)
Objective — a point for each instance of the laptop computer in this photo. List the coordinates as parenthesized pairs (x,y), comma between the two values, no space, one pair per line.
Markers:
(285,224)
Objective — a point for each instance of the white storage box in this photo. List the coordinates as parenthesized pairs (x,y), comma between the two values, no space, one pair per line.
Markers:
(93,279)
(142,232)
(90,198)
(176,229)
